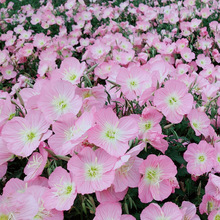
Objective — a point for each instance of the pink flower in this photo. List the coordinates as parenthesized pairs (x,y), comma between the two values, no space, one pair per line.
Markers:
(173,100)
(5,154)
(8,72)
(71,70)
(62,192)
(156,139)
(48,214)
(189,210)
(203,61)
(92,170)
(199,157)
(149,120)
(199,121)
(213,186)
(169,211)
(69,131)
(157,172)
(132,81)
(111,211)
(208,204)
(7,110)
(57,99)
(214,215)
(27,50)
(36,164)
(217,157)
(20,206)
(23,135)
(112,134)
(109,195)
(127,169)
(187,54)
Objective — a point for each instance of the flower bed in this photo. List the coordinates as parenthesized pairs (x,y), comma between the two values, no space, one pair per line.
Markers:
(110,110)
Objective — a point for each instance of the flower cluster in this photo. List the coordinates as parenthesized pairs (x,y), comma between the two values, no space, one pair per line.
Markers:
(110,110)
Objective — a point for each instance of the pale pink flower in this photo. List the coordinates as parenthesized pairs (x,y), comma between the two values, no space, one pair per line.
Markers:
(8,72)
(98,50)
(169,211)
(47,214)
(111,211)
(208,204)
(131,81)
(213,186)
(71,70)
(92,97)
(92,170)
(70,131)
(127,169)
(40,40)
(24,35)
(199,121)
(70,4)
(155,183)
(203,61)
(217,157)
(36,164)
(182,68)
(23,135)
(5,154)
(156,139)
(189,210)
(199,157)
(158,68)
(27,50)
(173,100)
(109,195)
(112,134)
(149,120)
(19,206)
(7,111)
(57,99)
(214,215)
(3,56)
(62,192)
(187,54)
(181,44)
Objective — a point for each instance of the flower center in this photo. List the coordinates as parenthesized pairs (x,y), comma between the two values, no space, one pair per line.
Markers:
(68,190)
(60,104)
(172,100)
(11,116)
(110,134)
(132,84)
(31,136)
(217,217)
(152,175)
(148,125)
(201,158)
(196,125)
(4,217)
(93,171)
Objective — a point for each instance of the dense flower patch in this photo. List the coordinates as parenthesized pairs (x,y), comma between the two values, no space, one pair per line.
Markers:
(110,110)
